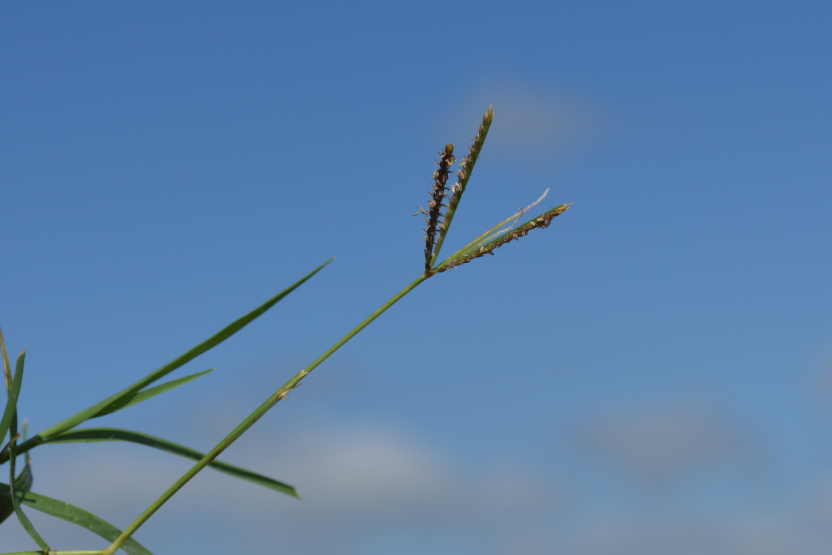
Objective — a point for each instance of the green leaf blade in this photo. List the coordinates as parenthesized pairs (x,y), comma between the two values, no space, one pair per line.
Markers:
(24,520)
(76,515)
(145,394)
(89,435)
(22,483)
(206,345)
(21,516)
(14,393)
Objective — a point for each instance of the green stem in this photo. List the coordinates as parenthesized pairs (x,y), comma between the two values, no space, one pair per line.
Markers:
(246,424)
(22,448)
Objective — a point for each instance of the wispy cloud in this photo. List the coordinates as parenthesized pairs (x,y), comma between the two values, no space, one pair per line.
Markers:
(662,442)
(530,119)
(371,489)
(357,482)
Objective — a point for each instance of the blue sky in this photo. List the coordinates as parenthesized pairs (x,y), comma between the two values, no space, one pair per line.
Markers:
(652,374)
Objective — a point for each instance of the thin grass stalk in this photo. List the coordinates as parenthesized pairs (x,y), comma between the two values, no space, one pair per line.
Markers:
(279,395)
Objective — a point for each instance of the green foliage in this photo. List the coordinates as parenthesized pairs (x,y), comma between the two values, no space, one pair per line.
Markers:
(73,514)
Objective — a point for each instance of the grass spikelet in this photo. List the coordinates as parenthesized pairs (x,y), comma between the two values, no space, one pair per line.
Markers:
(541,221)
(434,211)
(463,175)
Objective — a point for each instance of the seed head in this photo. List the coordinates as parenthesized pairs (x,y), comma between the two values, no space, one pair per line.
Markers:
(434,212)
(541,221)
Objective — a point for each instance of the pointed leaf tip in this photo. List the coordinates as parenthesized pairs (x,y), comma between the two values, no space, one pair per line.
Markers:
(191,354)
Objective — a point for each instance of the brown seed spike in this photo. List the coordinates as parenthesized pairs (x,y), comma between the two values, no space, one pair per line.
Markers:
(440,176)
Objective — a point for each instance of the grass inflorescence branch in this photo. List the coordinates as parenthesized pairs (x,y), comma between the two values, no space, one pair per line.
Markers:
(541,222)
(464,173)
(433,215)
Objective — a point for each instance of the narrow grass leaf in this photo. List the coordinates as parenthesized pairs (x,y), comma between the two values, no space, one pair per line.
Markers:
(22,483)
(114,434)
(145,394)
(209,343)
(75,515)
(21,516)
(14,392)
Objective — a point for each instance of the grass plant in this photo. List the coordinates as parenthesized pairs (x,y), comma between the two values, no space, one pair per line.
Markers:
(17,494)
